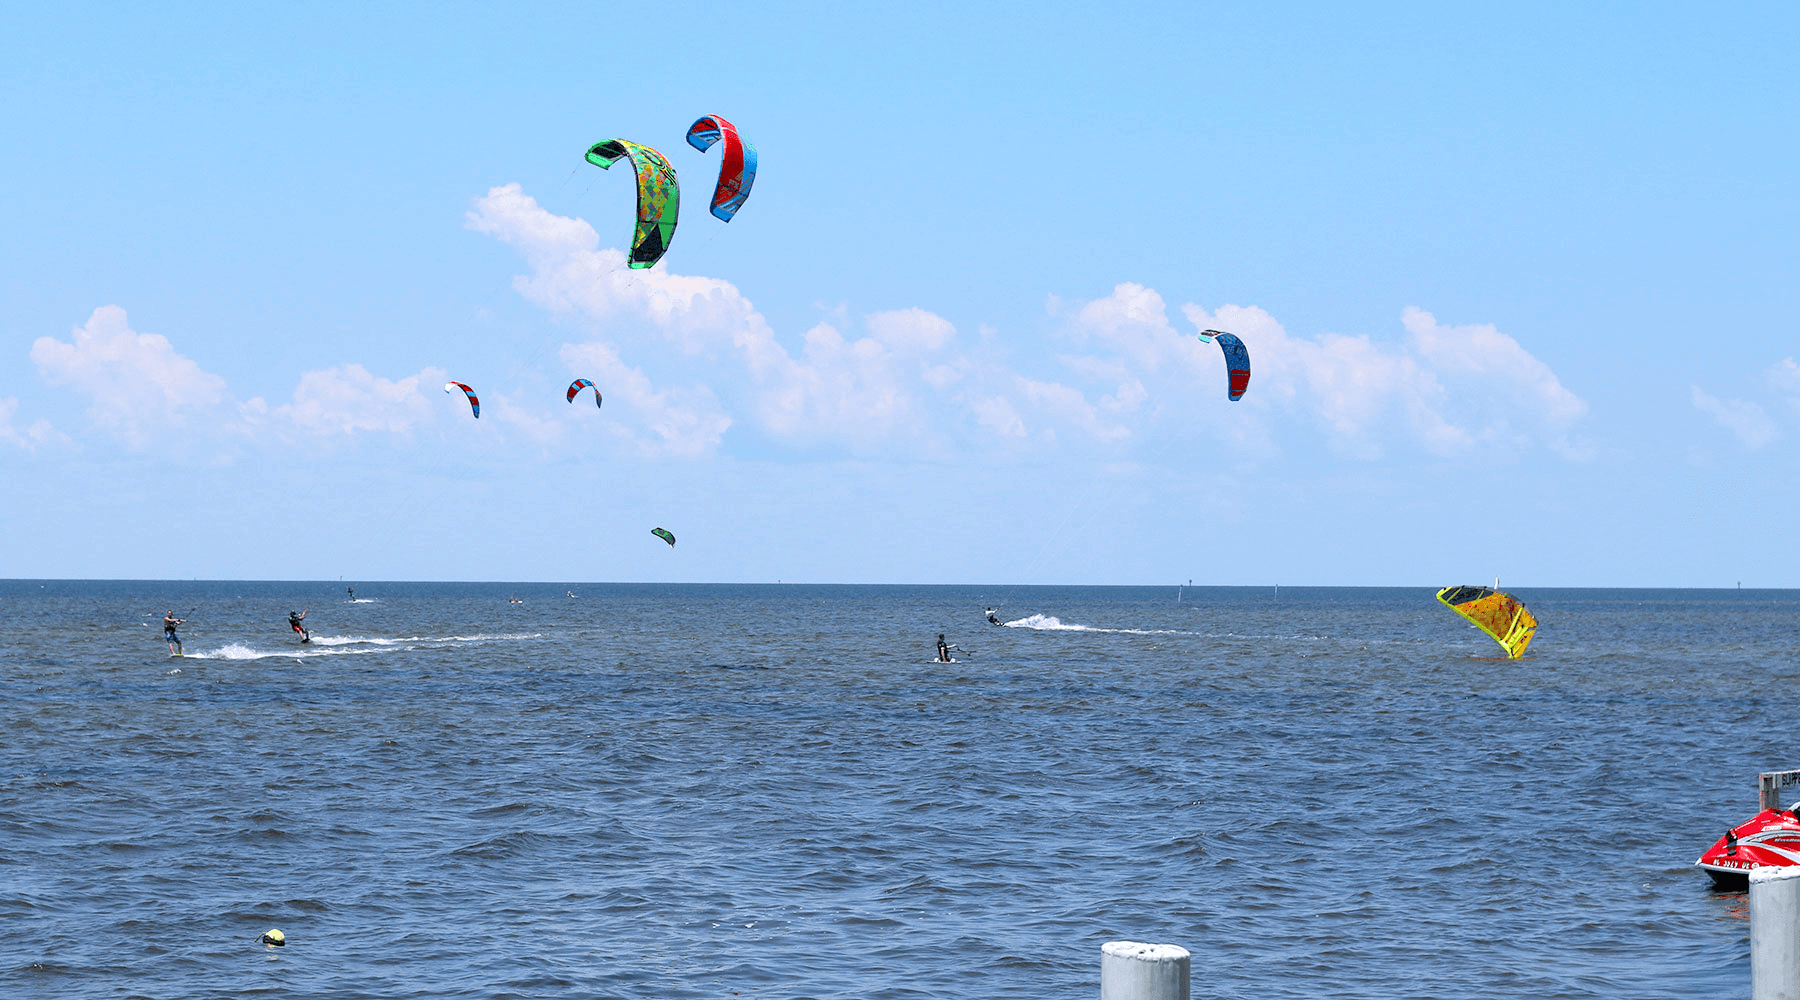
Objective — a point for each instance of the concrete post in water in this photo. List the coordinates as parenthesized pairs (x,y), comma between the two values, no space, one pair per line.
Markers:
(1775,933)
(1133,971)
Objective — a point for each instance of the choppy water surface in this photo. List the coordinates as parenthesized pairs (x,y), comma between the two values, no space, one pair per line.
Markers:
(771,791)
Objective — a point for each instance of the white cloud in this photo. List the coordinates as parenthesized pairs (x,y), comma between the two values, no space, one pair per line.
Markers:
(37,434)
(1785,376)
(849,389)
(910,387)
(1071,406)
(861,393)
(1445,390)
(1483,352)
(1747,421)
(683,422)
(138,387)
(526,420)
(997,414)
(906,331)
(348,400)
(573,274)
(1357,387)
(1130,395)
(904,388)
(143,391)
(1134,321)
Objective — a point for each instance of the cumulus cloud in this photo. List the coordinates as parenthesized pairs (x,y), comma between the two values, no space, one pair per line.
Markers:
(348,399)
(1484,353)
(1445,390)
(572,273)
(141,390)
(905,385)
(909,385)
(907,331)
(1071,406)
(1784,375)
(997,414)
(839,386)
(137,386)
(1752,423)
(1748,422)
(1133,321)
(860,392)
(683,422)
(1359,388)
(39,433)
(525,420)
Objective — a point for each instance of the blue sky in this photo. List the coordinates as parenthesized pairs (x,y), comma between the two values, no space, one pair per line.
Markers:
(1517,284)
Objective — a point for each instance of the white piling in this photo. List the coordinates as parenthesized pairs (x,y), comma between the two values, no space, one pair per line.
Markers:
(1775,933)
(1133,971)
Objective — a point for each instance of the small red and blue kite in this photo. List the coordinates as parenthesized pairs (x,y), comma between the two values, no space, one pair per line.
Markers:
(579,384)
(474,404)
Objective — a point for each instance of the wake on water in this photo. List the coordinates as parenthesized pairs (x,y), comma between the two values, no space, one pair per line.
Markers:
(239,651)
(347,645)
(1050,623)
(356,640)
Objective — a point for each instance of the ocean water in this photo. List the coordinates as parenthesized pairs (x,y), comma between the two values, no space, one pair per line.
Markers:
(772,791)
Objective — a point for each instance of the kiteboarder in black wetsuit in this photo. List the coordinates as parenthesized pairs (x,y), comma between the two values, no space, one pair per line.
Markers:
(169,636)
(991,619)
(943,650)
(294,619)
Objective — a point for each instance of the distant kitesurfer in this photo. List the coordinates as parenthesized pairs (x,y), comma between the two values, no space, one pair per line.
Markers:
(294,619)
(992,620)
(352,591)
(943,650)
(169,636)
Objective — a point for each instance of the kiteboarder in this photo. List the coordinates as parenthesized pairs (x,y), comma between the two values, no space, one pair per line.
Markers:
(943,650)
(991,619)
(352,591)
(294,620)
(169,636)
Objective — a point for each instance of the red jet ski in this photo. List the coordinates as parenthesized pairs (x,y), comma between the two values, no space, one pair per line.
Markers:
(1770,838)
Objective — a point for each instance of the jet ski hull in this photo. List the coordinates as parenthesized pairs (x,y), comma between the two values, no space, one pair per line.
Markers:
(1771,838)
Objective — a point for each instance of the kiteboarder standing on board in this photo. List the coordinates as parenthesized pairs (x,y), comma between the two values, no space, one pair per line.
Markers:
(943,650)
(294,619)
(169,636)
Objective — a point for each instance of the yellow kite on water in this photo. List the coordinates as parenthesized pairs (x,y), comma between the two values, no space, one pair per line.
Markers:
(1495,612)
